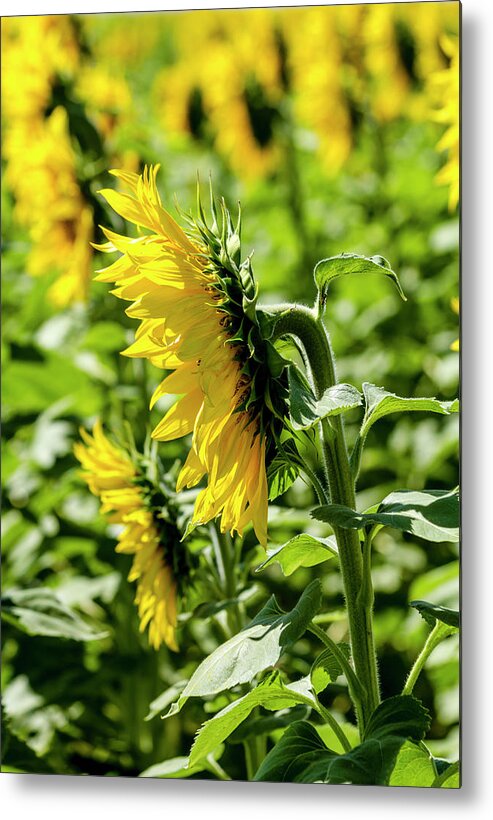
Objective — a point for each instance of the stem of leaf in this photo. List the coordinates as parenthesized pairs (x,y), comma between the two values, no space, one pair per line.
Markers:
(332,722)
(316,484)
(216,769)
(254,755)
(436,636)
(356,691)
(226,559)
(450,770)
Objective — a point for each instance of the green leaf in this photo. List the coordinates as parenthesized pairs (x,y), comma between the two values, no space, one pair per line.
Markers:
(306,410)
(283,470)
(326,668)
(302,757)
(271,694)
(174,767)
(266,724)
(179,767)
(433,613)
(301,551)
(449,778)
(401,716)
(333,741)
(379,403)
(17,756)
(347,264)
(159,704)
(431,514)
(413,767)
(254,649)
(40,612)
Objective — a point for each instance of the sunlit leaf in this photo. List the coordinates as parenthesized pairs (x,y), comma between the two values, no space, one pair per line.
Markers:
(306,411)
(254,649)
(301,551)
(40,612)
(431,514)
(349,264)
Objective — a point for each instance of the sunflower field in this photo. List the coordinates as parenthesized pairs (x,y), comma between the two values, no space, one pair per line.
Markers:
(230,519)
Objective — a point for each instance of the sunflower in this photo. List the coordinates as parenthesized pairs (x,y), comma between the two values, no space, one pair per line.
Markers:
(445,87)
(196,306)
(129,499)
(455,305)
(39,53)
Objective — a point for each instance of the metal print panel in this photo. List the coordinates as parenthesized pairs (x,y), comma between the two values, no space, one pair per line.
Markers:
(230,479)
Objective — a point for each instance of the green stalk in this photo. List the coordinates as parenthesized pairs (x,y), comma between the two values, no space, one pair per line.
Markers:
(332,722)
(216,769)
(307,326)
(355,689)
(225,555)
(225,560)
(436,636)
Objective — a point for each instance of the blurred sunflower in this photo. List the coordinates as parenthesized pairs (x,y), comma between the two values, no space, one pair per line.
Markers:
(196,302)
(127,497)
(445,90)
(455,305)
(38,54)
(316,67)
(238,116)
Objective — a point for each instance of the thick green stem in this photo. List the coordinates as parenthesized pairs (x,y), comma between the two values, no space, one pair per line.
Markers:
(303,323)
(366,598)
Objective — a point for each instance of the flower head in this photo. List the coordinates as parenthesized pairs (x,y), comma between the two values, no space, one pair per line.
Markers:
(445,87)
(129,499)
(196,304)
(41,161)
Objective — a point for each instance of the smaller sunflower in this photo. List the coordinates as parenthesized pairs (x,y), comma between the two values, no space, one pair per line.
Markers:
(129,499)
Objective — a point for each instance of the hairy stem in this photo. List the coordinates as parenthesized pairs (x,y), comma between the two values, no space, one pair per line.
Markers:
(332,722)
(436,636)
(303,323)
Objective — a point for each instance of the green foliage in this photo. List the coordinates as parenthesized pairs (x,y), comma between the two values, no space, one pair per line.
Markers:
(302,757)
(348,264)
(40,612)
(283,470)
(179,767)
(413,767)
(256,648)
(380,403)
(433,613)
(66,588)
(301,551)
(271,694)
(327,668)
(306,411)
(432,515)
(449,778)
